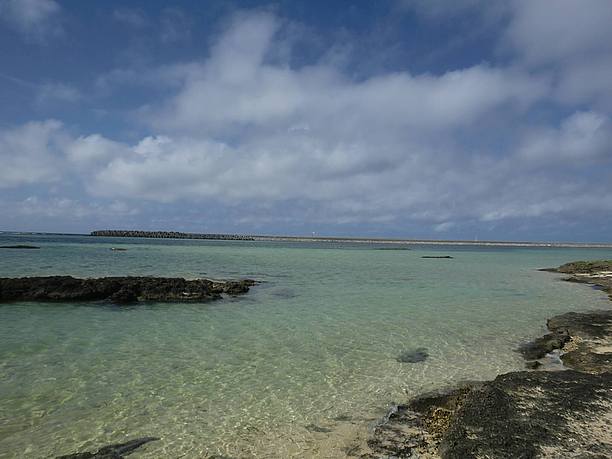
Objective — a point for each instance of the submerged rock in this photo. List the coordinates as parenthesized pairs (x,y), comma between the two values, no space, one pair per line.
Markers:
(19,246)
(115,451)
(413,356)
(117,289)
(319,429)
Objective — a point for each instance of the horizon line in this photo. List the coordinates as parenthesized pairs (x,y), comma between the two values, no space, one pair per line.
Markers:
(321,238)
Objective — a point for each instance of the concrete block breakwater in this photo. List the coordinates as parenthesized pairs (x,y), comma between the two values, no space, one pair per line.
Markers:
(170,235)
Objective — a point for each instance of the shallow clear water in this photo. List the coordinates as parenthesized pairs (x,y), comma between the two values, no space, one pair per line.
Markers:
(314,344)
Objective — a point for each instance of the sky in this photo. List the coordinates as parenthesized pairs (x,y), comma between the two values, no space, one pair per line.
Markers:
(471,119)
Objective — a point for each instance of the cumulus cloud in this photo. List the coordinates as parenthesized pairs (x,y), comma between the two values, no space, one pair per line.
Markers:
(237,87)
(545,33)
(30,153)
(571,39)
(92,150)
(582,137)
(247,129)
(35,19)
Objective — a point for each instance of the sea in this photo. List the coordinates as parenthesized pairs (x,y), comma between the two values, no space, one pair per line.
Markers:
(304,365)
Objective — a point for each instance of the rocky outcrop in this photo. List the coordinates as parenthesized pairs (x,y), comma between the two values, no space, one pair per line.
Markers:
(585,267)
(118,290)
(522,414)
(115,451)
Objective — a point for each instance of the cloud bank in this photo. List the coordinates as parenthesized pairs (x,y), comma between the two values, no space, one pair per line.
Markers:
(297,146)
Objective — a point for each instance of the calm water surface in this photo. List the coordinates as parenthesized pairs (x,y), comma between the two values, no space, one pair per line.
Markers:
(314,345)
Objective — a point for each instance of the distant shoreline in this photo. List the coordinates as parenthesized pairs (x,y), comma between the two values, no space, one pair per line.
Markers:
(358,240)
(340,239)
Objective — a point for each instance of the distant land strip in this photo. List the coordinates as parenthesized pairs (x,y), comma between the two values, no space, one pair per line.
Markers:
(171,235)
(247,237)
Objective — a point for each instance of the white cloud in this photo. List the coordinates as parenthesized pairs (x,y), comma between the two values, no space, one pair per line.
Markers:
(246,130)
(373,150)
(30,153)
(582,137)
(236,87)
(573,39)
(35,19)
(545,32)
(93,149)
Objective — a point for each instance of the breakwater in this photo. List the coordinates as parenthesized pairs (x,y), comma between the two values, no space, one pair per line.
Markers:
(333,239)
(170,235)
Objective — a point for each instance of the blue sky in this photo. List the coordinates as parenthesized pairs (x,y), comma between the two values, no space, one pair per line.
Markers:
(407,118)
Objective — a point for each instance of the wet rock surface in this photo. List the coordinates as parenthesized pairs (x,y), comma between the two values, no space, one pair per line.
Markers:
(115,451)
(545,344)
(119,290)
(521,414)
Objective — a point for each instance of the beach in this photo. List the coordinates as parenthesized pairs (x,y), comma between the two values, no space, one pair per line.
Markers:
(562,409)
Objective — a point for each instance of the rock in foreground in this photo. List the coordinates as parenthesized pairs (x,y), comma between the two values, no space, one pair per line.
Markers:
(523,414)
(118,289)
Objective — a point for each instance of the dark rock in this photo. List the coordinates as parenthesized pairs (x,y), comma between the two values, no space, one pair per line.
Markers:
(585,267)
(436,256)
(513,416)
(594,324)
(413,356)
(533,365)
(545,344)
(237,287)
(591,333)
(124,295)
(19,246)
(115,451)
(117,289)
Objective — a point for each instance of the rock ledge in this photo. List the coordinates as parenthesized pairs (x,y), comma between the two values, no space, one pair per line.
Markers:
(118,290)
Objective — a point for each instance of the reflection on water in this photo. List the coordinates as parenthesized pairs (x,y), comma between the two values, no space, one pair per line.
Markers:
(298,367)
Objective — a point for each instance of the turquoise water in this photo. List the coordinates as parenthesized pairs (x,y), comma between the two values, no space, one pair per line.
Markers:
(314,344)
